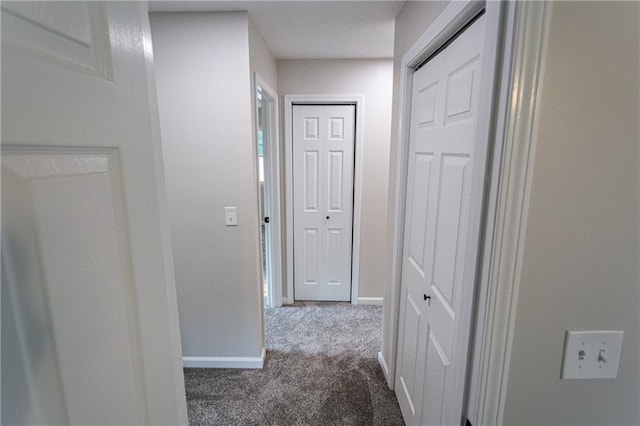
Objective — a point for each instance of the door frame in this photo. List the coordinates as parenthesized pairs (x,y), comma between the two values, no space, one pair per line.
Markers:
(516,85)
(272,192)
(346,99)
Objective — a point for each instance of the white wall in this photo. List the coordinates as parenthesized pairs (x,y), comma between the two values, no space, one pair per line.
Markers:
(581,255)
(412,21)
(373,79)
(204,95)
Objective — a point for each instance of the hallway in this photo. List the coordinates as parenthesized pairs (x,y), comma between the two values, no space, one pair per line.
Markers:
(321,369)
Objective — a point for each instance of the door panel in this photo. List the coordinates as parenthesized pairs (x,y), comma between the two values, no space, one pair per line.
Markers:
(421,171)
(334,238)
(311,181)
(436,365)
(323,158)
(449,232)
(336,182)
(445,98)
(86,259)
(74,205)
(336,128)
(74,34)
(409,357)
(311,256)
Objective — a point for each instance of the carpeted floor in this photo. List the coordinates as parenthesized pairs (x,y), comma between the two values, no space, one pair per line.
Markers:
(321,369)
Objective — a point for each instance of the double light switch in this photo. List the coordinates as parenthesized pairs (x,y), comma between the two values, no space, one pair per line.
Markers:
(591,354)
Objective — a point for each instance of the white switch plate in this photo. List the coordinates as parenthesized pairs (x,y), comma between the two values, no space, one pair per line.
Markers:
(591,354)
(230,216)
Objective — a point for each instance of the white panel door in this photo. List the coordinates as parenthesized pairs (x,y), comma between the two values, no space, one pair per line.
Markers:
(89,317)
(435,289)
(323,161)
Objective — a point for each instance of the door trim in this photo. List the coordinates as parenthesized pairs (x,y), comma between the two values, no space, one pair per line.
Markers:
(525,44)
(273,196)
(358,101)
(517,81)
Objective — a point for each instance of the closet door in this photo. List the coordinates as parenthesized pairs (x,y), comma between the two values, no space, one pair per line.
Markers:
(323,162)
(436,289)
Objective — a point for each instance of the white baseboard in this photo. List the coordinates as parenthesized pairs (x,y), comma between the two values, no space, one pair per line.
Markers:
(224,361)
(361,301)
(370,301)
(385,369)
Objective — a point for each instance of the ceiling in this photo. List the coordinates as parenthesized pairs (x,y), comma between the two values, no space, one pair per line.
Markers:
(308,29)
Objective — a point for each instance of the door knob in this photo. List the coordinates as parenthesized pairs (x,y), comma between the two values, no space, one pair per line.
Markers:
(328,218)
(428,299)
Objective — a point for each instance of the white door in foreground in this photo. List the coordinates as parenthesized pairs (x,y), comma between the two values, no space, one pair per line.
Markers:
(323,161)
(89,318)
(445,99)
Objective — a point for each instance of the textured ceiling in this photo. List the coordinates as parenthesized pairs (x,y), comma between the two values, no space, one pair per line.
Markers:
(305,29)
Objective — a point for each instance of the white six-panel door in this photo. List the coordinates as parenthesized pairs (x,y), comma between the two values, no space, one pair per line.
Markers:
(445,98)
(89,316)
(323,161)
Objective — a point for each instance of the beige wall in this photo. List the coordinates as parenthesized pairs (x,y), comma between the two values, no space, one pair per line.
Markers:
(581,255)
(412,21)
(204,96)
(373,79)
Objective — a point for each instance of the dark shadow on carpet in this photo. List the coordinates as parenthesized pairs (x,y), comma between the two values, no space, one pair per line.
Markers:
(321,369)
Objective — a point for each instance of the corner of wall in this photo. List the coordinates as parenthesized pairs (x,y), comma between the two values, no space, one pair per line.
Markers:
(205,108)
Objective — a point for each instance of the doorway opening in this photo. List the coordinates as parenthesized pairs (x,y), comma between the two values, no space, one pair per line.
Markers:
(269,191)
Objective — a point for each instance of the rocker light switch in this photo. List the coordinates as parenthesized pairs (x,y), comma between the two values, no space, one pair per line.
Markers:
(230,216)
(591,354)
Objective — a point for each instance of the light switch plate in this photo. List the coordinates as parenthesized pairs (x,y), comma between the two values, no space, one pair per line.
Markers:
(230,216)
(591,354)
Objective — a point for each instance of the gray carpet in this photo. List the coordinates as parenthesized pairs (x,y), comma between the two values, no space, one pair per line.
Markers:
(321,369)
